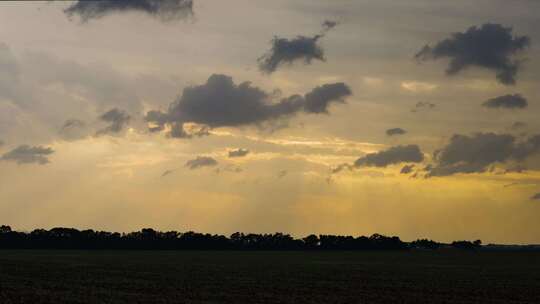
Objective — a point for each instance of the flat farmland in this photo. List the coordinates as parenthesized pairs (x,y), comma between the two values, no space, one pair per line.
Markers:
(69,276)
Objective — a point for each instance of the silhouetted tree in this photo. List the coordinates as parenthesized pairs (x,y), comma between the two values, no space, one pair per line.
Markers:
(148,238)
(425,244)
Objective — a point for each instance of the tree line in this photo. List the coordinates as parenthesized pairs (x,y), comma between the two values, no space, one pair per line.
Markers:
(149,239)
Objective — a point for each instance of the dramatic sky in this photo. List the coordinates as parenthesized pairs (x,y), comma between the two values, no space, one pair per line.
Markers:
(416,118)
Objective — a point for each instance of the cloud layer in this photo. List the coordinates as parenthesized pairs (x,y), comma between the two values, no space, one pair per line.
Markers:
(394,155)
(476,153)
(26,154)
(515,101)
(238,153)
(200,162)
(220,102)
(491,46)
(395,131)
(165,10)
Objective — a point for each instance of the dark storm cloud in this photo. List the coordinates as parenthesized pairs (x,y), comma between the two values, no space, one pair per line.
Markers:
(25,154)
(407,169)
(220,102)
(166,10)
(394,155)
(491,46)
(515,101)
(287,51)
(200,162)
(395,131)
(238,153)
(476,153)
(117,120)
(536,197)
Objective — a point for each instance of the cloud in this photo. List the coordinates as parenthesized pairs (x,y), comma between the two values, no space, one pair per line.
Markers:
(318,100)
(166,10)
(238,153)
(329,24)
(407,169)
(476,153)
(536,197)
(220,102)
(73,129)
(395,131)
(342,167)
(515,101)
(491,46)
(200,162)
(287,51)
(423,105)
(26,154)
(394,155)
(167,172)
(518,125)
(117,120)
(72,123)
(417,86)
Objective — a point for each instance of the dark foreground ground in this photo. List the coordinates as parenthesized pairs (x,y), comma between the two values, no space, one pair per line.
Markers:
(268,277)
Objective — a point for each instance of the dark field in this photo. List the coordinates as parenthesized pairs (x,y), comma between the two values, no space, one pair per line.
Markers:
(268,277)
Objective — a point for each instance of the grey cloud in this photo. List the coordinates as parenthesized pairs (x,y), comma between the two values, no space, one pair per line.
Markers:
(407,169)
(536,197)
(515,101)
(238,153)
(475,154)
(117,120)
(518,125)
(525,149)
(73,129)
(166,10)
(329,24)
(394,155)
(491,46)
(167,172)
(220,102)
(72,124)
(395,131)
(200,162)
(287,51)
(342,167)
(421,105)
(26,154)
(318,100)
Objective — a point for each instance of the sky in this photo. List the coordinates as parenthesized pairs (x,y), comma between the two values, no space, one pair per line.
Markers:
(417,119)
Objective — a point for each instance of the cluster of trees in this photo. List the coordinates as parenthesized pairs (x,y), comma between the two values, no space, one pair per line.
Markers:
(69,238)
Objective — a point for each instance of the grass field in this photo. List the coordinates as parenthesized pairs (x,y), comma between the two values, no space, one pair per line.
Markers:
(268,277)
